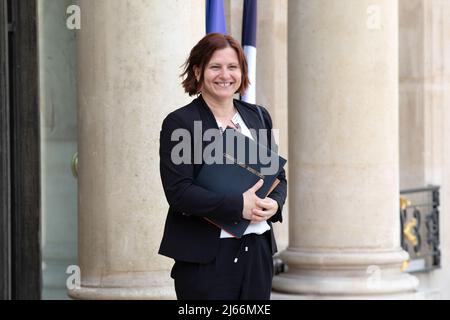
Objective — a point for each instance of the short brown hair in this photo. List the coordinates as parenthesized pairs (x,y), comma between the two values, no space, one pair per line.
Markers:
(201,55)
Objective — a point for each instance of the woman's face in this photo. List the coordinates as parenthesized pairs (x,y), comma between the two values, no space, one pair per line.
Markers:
(222,75)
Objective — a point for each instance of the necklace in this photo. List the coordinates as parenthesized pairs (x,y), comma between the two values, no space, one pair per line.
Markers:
(227,122)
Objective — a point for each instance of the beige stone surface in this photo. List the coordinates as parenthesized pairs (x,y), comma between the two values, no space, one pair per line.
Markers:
(343,149)
(272,90)
(129,55)
(348,104)
(411,102)
(271,76)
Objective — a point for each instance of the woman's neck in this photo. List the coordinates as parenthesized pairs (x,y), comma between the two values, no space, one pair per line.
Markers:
(220,109)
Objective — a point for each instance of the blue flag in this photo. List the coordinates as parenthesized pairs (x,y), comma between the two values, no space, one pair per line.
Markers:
(249,26)
(215,17)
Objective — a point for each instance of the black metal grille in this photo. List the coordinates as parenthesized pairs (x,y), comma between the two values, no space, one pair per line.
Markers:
(419,217)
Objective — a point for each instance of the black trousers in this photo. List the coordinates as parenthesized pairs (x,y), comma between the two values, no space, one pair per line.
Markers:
(242,270)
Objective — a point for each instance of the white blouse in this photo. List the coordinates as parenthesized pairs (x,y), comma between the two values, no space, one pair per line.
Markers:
(254,227)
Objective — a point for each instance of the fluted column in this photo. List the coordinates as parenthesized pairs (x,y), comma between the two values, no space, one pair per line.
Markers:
(129,58)
(271,91)
(271,59)
(344,235)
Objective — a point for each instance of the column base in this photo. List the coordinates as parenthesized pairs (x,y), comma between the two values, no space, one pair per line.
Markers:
(419,295)
(344,273)
(127,286)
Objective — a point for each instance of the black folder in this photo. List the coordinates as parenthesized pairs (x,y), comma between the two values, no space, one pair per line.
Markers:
(243,163)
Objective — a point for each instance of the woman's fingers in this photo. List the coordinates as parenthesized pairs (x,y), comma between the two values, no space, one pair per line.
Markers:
(261,213)
(266,203)
(265,209)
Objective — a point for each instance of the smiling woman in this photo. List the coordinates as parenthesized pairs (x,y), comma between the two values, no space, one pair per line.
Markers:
(209,262)
(221,77)
(217,69)
(209,53)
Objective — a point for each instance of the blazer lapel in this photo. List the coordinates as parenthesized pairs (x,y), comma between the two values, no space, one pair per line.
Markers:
(206,115)
(251,120)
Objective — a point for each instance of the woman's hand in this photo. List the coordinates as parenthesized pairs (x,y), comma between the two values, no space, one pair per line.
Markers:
(250,199)
(265,209)
(257,209)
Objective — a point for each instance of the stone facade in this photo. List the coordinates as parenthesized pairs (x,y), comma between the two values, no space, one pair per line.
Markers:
(360,93)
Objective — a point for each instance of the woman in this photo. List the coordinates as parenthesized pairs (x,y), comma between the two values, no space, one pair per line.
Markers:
(210,263)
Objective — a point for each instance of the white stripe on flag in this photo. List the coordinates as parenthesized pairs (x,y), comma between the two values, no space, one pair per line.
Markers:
(250,94)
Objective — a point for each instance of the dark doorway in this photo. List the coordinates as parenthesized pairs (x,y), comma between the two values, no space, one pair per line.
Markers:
(20,260)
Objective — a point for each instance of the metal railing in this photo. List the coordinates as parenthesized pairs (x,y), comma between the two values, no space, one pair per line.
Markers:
(419,218)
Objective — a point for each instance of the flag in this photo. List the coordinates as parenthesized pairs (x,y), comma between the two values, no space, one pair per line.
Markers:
(249,44)
(215,17)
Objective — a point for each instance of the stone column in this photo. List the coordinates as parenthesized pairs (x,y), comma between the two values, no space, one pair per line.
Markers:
(271,59)
(344,235)
(129,58)
(411,101)
(271,91)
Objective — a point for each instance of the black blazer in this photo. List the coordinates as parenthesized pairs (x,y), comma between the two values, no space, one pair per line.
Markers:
(187,236)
